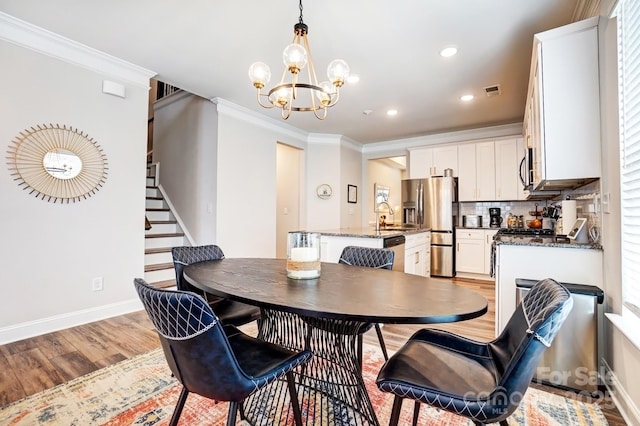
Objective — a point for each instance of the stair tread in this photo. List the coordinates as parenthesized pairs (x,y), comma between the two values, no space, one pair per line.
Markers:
(158,267)
(157,250)
(157,209)
(152,187)
(164,284)
(154,198)
(163,222)
(175,234)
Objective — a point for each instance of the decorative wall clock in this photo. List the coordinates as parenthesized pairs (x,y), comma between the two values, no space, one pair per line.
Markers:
(324,191)
(57,163)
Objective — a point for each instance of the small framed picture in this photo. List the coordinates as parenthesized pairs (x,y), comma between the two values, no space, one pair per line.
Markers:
(352,194)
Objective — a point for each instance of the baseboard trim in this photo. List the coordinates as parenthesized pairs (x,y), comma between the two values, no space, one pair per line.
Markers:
(627,407)
(30,329)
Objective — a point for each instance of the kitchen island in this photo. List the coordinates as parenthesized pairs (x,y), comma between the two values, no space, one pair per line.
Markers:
(414,256)
(540,258)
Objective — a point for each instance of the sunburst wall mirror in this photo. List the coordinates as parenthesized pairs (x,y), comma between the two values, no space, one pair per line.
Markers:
(57,163)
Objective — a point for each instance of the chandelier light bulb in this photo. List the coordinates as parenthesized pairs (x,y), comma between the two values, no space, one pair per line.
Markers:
(294,57)
(338,71)
(259,74)
(324,94)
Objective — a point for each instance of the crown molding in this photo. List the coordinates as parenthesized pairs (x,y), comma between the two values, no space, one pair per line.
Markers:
(32,37)
(245,114)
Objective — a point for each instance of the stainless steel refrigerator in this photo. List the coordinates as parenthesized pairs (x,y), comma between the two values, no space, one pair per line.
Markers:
(432,203)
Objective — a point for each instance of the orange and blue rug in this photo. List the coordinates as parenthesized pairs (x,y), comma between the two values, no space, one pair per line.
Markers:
(141,391)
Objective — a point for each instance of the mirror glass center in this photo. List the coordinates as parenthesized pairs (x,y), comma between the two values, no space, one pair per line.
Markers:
(62,164)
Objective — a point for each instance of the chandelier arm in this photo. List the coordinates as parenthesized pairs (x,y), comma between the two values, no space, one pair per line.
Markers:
(259,95)
(320,117)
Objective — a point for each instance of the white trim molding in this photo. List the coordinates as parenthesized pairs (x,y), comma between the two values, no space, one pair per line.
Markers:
(230,109)
(623,401)
(175,214)
(38,327)
(29,36)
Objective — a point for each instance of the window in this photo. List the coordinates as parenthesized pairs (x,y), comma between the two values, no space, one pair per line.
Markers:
(628,16)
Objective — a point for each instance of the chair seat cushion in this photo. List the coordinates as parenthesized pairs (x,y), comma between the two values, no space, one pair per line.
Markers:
(424,363)
(234,313)
(262,360)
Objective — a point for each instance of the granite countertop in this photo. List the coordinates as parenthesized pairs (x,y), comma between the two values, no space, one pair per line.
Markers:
(370,232)
(544,242)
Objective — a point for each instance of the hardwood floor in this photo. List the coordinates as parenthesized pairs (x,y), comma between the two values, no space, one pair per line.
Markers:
(32,365)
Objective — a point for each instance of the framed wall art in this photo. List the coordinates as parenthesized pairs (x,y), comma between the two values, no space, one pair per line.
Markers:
(352,194)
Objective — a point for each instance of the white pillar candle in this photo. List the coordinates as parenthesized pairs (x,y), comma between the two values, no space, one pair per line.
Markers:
(304,254)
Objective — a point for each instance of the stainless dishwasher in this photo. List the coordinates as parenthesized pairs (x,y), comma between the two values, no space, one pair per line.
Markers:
(397,245)
(572,361)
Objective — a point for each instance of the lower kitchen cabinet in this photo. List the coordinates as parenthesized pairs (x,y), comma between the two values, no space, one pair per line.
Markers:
(417,254)
(473,251)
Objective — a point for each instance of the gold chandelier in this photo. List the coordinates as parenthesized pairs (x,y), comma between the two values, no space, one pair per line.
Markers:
(295,95)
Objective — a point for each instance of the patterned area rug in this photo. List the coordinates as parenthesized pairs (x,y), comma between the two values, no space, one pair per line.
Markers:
(141,391)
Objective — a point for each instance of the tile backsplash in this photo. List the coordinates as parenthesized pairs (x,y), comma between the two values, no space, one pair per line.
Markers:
(587,206)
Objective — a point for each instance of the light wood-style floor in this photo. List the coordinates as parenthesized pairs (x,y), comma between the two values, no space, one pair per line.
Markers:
(32,365)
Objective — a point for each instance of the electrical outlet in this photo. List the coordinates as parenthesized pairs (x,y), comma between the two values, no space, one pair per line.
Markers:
(97,284)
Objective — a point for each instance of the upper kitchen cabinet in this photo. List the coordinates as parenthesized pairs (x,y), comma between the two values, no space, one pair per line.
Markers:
(509,153)
(562,114)
(476,172)
(432,161)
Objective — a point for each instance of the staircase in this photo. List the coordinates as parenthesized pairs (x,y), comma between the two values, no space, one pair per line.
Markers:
(163,235)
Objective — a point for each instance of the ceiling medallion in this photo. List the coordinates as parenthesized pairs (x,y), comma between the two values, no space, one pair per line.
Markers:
(57,163)
(295,95)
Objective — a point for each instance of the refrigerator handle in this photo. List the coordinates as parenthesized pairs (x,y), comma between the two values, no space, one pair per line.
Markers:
(421,205)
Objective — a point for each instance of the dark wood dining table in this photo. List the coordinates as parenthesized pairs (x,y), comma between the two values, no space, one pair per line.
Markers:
(325,315)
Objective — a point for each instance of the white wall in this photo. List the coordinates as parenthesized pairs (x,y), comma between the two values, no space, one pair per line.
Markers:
(323,166)
(621,355)
(51,252)
(185,146)
(350,174)
(379,171)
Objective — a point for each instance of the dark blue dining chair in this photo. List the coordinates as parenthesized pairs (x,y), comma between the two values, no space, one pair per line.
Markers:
(228,311)
(215,361)
(381,258)
(484,382)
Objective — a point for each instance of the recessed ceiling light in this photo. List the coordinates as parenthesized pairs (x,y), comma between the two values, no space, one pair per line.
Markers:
(392,112)
(353,78)
(466,98)
(447,52)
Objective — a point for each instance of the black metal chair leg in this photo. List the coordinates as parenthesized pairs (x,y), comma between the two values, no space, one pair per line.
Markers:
(395,411)
(297,415)
(416,413)
(360,343)
(504,422)
(179,406)
(381,340)
(231,417)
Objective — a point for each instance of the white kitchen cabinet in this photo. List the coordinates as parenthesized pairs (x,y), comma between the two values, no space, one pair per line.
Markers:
(507,162)
(432,161)
(417,257)
(569,265)
(476,172)
(470,251)
(473,251)
(562,115)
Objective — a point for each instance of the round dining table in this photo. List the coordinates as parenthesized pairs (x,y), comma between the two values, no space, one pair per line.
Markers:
(326,315)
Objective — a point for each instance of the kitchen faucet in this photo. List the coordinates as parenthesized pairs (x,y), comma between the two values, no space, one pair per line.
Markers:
(378,213)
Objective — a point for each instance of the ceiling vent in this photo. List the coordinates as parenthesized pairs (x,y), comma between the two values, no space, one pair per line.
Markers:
(492,90)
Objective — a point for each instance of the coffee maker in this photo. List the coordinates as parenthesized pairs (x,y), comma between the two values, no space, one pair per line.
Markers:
(495,220)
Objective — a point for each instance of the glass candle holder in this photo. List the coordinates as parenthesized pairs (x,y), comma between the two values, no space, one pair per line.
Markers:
(303,255)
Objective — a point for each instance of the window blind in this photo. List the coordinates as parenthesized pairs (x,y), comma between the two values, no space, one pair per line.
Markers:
(628,18)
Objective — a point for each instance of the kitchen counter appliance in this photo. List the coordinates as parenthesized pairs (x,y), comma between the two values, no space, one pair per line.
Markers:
(432,203)
(397,245)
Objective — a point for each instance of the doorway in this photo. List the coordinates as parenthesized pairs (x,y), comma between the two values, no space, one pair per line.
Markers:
(288,183)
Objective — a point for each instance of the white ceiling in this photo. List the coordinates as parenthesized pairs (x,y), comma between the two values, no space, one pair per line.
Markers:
(206,47)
